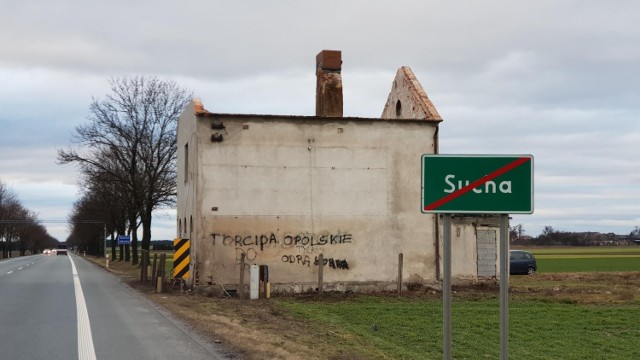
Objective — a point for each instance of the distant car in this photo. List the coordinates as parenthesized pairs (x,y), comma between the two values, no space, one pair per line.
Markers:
(522,262)
(46,251)
(61,250)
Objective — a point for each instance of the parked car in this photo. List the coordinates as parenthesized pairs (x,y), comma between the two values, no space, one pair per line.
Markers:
(522,262)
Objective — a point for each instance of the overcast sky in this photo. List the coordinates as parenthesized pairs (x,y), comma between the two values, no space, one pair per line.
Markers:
(556,79)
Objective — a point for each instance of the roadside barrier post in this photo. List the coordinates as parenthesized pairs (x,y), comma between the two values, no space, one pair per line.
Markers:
(154,269)
(241,285)
(161,273)
(265,285)
(143,268)
(400,264)
(320,274)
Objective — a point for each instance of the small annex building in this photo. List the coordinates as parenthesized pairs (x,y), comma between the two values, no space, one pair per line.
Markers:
(284,189)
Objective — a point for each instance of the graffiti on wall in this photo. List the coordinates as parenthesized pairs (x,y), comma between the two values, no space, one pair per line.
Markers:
(305,244)
(305,260)
(250,254)
(334,263)
(285,241)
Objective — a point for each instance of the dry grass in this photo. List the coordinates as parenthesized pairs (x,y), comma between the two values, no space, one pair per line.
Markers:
(252,329)
(583,288)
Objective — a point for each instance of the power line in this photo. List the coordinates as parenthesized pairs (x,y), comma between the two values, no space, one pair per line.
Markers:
(53,221)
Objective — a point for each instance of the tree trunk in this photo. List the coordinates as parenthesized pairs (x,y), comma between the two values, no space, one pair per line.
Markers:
(146,230)
(134,249)
(133,233)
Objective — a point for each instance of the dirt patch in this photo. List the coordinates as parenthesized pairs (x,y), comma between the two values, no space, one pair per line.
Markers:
(255,330)
(583,288)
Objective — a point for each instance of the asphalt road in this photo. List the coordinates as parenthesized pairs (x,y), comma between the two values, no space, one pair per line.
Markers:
(63,307)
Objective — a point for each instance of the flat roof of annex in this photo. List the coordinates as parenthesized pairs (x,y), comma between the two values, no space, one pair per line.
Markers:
(265,117)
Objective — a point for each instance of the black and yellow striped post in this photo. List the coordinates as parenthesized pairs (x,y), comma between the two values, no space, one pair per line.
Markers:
(181,258)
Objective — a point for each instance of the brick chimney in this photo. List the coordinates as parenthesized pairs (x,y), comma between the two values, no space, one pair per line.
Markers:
(329,83)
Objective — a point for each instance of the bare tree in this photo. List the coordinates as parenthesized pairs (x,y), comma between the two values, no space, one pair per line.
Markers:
(19,228)
(9,206)
(32,236)
(130,141)
(516,232)
(87,230)
(113,205)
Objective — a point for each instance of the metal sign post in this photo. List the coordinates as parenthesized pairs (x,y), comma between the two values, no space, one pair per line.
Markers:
(446,287)
(504,287)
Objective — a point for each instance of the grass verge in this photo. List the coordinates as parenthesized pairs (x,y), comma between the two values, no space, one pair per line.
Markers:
(388,328)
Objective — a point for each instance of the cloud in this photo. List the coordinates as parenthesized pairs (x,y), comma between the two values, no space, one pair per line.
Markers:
(33,165)
(50,200)
(552,79)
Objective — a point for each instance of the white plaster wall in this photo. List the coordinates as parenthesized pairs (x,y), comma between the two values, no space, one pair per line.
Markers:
(464,252)
(280,182)
(187,182)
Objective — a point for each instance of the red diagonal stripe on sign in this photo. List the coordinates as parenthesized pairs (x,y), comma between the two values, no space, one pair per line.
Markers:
(436,204)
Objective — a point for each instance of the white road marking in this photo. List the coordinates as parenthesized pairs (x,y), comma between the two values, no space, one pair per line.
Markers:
(85,339)
(19,268)
(9,272)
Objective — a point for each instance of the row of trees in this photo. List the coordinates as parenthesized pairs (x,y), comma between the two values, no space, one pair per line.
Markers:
(20,229)
(550,236)
(126,155)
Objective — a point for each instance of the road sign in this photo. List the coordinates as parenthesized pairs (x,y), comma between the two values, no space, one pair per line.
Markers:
(477,184)
(124,240)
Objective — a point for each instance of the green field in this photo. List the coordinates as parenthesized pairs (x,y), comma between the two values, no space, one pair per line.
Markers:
(587,315)
(168,261)
(587,259)
(391,328)
(586,250)
(553,265)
